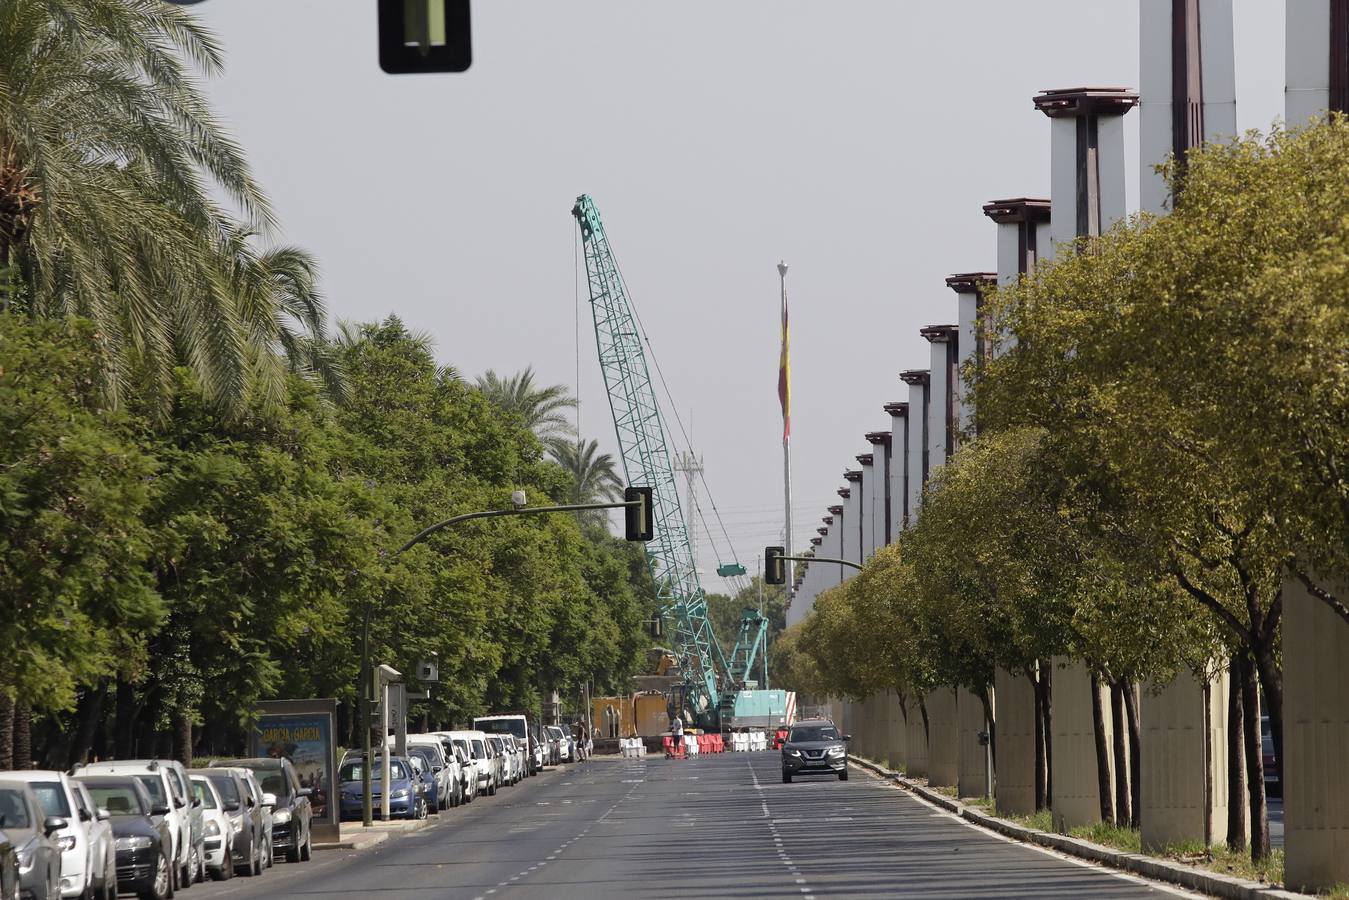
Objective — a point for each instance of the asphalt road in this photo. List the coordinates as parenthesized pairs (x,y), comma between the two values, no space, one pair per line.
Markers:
(720,826)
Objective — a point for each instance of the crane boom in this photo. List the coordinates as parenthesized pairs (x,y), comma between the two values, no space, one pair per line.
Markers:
(646,461)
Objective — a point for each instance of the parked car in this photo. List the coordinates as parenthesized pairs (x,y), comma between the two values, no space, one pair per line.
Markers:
(563,741)
(292,812)
(264,813)
(217,826)
(424,782)
(56,795)
(102,843)
(143,841)
(814,747)
(519,762)
(468,779)
(406,801)
(244,810)
(443,766)
(35,839)
(9,868)
(496,753)
(1273,777)
(166,782)
(475,745)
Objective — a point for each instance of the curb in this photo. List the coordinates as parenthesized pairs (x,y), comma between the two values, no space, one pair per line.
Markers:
(355,842)
(1179,874)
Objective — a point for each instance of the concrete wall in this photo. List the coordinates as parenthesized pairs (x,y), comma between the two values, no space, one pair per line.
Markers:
(915,742)
(1306,61)
(973,774)
(1315,735)
(1171,764)
(1073,766)
(897,733)
(1014,780)
(943,763)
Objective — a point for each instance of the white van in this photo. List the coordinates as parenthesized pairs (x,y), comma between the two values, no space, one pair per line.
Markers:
(518,725)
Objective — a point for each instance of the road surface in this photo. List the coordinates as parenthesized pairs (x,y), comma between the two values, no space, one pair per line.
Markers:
(712,827)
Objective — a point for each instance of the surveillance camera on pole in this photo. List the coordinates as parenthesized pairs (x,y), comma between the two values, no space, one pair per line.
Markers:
(518,499)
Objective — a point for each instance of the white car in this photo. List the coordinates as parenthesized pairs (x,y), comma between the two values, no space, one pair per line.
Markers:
(501,760)
(57,795)
(165,781)
(444,766)
(559,734)
(474,744)
(102,843)
(217,828)
(517,757)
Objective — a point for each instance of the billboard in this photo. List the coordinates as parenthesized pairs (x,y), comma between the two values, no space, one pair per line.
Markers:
(303,731)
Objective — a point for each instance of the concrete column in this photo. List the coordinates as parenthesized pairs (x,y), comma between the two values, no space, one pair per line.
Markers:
(883,493)
(833,574)
(943,769)
(867,489)
(1187,85)
(1171,761)
(943,416)
(969,288)
(1077,799)
(1087,172)
(1316,59)
(917,380)
(852,519)
(915,742)
(1023,235)
(899,467)
(1315,739)
(898,733)
(1015,778)
(973,772)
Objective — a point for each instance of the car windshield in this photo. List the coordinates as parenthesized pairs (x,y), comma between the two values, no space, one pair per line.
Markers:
(52,797)
(229,790)
(154,786)
(497,743)
(353,770)
(479,749)
(118,799)
(463,745)
(13,811)
(502,726)
(806,733)
(202,792)
(273,781)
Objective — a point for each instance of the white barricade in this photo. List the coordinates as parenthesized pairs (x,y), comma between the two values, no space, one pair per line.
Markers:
(690,745)
(631,748)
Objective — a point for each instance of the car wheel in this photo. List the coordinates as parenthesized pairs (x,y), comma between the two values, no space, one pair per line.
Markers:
(226,869)
(271,853)
(307,851)
(255,859)
(159,889)
(843,776)
(293,851)
(194,866)
(786,777)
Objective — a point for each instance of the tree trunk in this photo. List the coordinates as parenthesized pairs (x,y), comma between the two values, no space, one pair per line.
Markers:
(1135,755)
(182,736)
(1206,692)
(1102,752)
(1236,758)
(1047,687)
(1271,681)
(986,700)
(1120,736)
(87,716)
(922,708)
(124,729)
(6,731)
(1040,799)
(23,736)
(1255,764)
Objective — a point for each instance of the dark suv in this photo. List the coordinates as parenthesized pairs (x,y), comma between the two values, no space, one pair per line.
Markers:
(293,812)
(814,747)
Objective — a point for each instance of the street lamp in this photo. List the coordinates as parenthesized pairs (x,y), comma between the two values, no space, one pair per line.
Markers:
(638,503)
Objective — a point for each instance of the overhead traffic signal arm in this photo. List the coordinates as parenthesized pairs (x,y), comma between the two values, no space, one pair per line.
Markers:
(775,564)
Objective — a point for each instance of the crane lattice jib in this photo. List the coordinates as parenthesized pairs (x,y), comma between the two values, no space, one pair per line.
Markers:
(646,462)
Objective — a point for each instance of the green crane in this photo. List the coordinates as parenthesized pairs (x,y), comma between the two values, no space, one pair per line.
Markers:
(646,461)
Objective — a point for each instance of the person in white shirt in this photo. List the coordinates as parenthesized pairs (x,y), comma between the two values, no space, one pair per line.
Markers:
(677,734)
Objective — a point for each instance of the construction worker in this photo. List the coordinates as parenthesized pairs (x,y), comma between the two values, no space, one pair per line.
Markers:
(677,737)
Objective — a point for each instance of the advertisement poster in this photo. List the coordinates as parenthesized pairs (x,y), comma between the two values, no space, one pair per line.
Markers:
(305,737)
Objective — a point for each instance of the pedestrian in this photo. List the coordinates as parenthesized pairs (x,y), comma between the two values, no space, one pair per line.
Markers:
(677,737)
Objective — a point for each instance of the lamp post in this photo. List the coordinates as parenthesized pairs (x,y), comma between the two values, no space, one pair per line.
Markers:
(637,501)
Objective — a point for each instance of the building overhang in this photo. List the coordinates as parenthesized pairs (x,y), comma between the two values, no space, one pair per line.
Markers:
(971,282)
(915,376)
(1085,101)
(1018,209)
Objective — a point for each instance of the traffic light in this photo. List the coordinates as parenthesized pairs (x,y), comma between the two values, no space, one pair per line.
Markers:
(424,36)
(637,519)
(774,565)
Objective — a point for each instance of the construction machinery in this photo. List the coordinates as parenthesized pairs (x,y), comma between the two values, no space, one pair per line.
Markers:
(712,687)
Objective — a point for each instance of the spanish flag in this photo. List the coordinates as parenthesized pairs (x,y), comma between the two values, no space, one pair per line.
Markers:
(785,366)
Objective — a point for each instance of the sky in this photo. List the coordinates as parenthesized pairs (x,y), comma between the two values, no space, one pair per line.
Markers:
(856,141)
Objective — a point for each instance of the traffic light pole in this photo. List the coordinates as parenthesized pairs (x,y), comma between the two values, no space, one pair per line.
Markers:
(640,504)
(828,559)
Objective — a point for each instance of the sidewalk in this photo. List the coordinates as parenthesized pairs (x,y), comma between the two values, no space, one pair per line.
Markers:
(355,836)
(1196,879)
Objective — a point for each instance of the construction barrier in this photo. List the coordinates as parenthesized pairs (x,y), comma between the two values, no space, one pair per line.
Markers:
(631,748)
(691,747)
(746,741)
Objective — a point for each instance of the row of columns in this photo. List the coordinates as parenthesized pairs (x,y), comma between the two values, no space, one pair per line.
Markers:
(1187,97)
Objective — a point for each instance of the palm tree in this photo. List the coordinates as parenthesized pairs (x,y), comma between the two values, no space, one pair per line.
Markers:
(594,474)
(540,408)
(112,175)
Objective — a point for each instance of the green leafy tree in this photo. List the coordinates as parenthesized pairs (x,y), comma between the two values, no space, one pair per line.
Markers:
(540,409)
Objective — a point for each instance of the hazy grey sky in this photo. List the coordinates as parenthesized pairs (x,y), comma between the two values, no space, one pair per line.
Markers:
(855,140)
